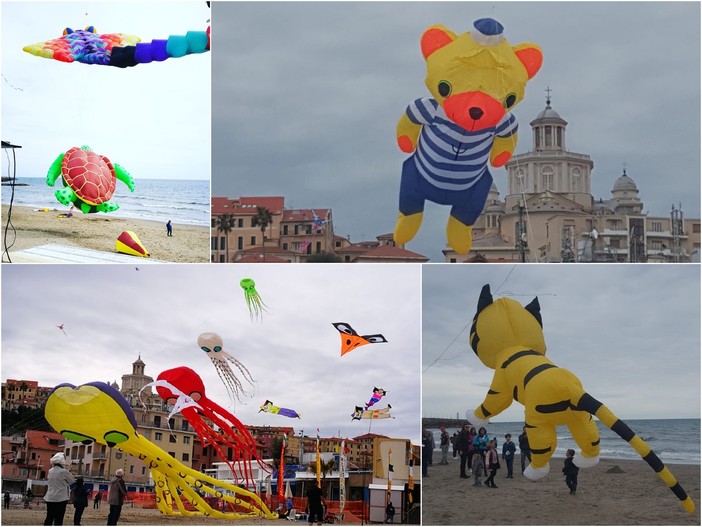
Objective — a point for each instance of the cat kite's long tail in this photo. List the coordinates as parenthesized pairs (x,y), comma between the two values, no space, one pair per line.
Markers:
(599,410)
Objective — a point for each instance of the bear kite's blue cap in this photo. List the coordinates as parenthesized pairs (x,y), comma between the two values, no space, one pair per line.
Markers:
(488,32)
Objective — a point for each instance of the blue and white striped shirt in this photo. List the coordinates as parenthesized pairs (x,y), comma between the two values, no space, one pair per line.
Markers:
(448,156)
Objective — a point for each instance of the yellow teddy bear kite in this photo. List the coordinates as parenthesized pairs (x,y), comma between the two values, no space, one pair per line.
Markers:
(509,339)
(475,80)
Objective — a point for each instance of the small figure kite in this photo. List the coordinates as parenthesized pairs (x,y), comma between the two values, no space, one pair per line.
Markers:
(318,222)
(253,300)
(269,407)
(212,345)
(60,326)
(183,388)
(377,395)
(351,340)
(383,413)
(97,412)
(117,49)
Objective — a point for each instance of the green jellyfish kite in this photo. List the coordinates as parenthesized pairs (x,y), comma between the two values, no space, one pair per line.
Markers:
(253,300)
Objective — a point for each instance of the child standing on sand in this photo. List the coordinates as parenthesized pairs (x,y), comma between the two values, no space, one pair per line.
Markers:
(477,464)
(571,471)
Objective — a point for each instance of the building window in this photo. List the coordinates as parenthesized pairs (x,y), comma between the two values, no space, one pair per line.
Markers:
(521,182)
(158,436)
(185,426)
(143,470)
(285,246)
(656,226)
(253,221)
(285,230)
(186,456)
(186,440)
(253,240)
(575,182)
(240,243)
(549,137)
(656,245)
(559,136)
(171,438)
(221,258)
(222,242)
(547,178)
(213,223)
(319,247)
(172,454)
(157,420)
(131,469)
(213,243)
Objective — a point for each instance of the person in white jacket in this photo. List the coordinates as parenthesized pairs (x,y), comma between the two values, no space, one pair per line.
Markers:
(56,497)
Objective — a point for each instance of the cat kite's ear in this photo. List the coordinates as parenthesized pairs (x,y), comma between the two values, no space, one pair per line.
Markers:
(535,309)
(485,298)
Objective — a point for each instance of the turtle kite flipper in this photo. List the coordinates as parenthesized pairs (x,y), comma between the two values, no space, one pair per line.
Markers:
(54,170)
(124,176)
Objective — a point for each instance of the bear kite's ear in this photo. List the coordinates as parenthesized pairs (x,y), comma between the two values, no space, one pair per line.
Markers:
(436,37)
(530,56)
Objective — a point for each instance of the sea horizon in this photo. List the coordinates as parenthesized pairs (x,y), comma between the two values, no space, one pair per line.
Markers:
(674,440)
(183,201)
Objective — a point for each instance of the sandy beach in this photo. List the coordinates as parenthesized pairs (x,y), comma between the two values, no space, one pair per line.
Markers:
(129,516)
(189,243)
(615,492)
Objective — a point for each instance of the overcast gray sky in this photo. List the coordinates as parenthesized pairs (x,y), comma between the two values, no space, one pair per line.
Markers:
(153,119)
(631,333)
(306,97)
(113,314)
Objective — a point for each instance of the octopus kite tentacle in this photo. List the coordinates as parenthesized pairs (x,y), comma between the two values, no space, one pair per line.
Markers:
(184,388)
(212,345)
(96,412)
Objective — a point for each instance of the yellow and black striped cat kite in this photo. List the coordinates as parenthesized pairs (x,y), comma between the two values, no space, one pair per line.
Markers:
(509,339)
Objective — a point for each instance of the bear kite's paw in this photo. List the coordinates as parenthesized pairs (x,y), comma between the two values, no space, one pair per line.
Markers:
(475,421)
(459,235)
(406,144)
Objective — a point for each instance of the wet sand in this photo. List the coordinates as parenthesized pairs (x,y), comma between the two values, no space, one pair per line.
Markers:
(615,492)
(189,243)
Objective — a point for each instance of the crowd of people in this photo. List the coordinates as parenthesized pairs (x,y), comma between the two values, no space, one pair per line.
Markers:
(479,455)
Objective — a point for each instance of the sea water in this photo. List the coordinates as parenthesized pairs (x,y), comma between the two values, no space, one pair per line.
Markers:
(181,201)
(673,440)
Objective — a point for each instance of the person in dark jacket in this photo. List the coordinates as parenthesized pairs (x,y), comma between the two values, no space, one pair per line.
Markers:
(524,450)
(571,470)
(508,450)
(118,491)
(464,446)
(80,499)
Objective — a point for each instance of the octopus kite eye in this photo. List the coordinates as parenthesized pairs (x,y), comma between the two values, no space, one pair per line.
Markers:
(78,437)
(218,348)
(114,438)
(205,349)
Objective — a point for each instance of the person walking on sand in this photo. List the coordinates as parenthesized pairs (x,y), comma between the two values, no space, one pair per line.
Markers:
(118,491)
(315,505)
(97,499)
(444,445)
(463,446)
(59,481)
(524,450)
(169,228)
(80,499)
(492,463)
(6,500)
(508,450)
(453,443)
(427,449)
(571,470)
(477,464)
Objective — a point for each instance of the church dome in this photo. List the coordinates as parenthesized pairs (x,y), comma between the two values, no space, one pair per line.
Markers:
(624,182)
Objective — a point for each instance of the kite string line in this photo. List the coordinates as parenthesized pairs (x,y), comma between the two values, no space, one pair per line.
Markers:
(464,328)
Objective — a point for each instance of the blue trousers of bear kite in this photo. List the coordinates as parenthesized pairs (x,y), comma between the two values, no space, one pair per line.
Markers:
(466,205)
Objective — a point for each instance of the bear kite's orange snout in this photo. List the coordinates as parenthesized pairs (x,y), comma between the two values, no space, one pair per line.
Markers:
(474,110)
